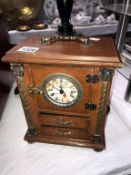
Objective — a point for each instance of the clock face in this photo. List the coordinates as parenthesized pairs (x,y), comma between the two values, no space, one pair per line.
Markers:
(61,90)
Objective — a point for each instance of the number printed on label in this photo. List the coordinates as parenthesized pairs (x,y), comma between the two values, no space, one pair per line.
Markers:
(28,49)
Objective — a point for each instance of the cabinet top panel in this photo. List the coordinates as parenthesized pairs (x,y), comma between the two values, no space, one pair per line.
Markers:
(100,53)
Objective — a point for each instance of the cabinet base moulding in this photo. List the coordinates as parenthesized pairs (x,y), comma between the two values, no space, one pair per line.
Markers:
(64,141)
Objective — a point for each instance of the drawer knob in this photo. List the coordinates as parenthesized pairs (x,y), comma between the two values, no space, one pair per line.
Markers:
(63,133)
(63,123)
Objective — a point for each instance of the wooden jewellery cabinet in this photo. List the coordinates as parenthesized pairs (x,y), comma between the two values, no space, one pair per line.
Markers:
(64,89)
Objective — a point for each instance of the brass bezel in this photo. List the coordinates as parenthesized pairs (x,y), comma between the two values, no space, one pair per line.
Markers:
(67,77)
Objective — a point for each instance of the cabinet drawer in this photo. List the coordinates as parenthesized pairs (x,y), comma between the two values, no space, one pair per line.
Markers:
(64,132)
(64,121)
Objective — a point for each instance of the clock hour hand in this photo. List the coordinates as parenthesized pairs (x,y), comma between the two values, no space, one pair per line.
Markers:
(57,88)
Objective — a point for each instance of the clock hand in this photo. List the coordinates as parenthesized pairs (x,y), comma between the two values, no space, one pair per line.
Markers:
(61,87)
(56,88)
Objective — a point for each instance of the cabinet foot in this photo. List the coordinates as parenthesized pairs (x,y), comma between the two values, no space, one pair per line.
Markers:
(108,109)
(16,91)
(30,142)
(98,149)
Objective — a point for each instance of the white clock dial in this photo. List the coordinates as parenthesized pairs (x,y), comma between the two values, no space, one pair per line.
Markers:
(61,89)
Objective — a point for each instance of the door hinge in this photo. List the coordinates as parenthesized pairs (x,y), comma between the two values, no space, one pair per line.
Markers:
(34,91)
(90,106)
(92,78)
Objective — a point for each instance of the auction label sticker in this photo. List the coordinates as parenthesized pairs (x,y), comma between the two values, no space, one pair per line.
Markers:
(28,49)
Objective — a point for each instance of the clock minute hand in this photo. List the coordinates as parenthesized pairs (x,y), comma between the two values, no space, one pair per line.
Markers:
(61,88)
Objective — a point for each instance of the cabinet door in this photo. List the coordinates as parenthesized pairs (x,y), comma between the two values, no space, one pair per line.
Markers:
(90,94)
